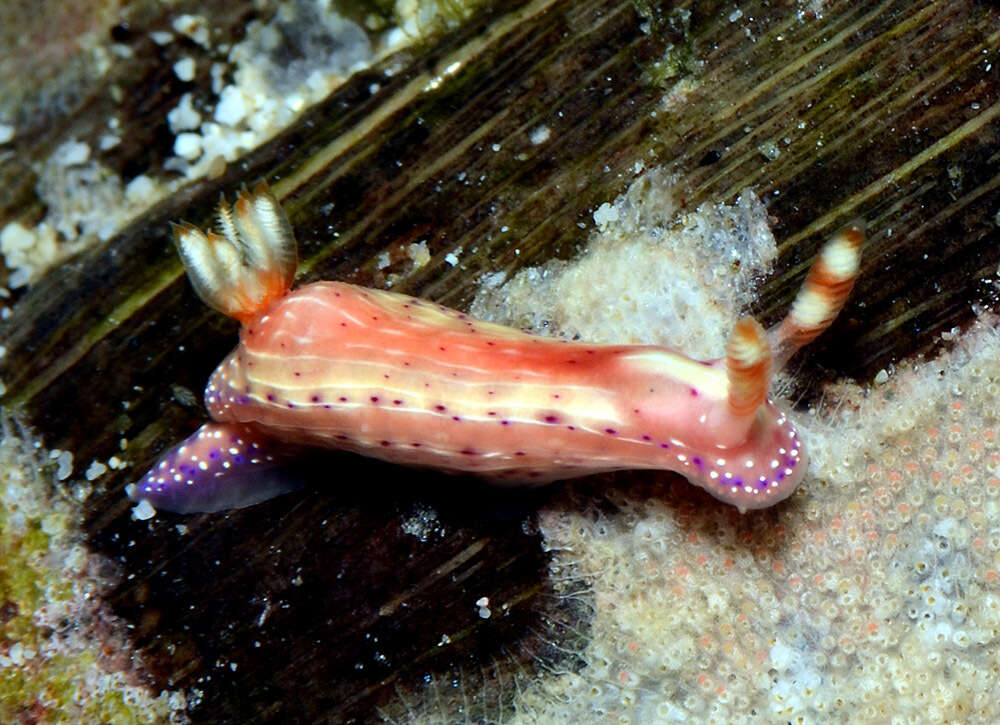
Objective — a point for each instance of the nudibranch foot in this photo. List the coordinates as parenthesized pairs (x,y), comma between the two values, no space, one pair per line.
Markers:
(221,466)
(407,381)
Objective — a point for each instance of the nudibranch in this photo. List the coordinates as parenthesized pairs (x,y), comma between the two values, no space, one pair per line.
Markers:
(405,380)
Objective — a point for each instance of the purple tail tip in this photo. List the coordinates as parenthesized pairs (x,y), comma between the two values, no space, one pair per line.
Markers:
(220,466)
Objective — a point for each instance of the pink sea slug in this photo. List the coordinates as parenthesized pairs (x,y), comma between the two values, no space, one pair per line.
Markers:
(409,381)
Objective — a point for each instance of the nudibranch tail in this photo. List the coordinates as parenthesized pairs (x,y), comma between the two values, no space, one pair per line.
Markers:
(221,466)
(823,294)
(748,367)
(249,264)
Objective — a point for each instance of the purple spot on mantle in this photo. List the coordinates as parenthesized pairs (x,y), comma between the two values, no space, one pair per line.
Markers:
(694,393)
(611,431)
(698,462)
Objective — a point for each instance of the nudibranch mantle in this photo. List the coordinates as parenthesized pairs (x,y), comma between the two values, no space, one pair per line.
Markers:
(408,381)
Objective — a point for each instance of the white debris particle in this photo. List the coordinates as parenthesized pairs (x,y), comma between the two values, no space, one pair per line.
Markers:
(422,523)
(108,141)
(18,278)
(143,511)
(141,188)
(451,259)
(15,237)
(6,132)
(3,352)
(76,559)
(161,37)
(25,250)
(194,27)
(16,653)
(184,117)
(606,214)
(65,469)
(770,150)
(95,470)
(294,102)
(881,377)
(484,607)
(54,524)
(115,462)
(418,253)
(188,146)
(382,260)
(539,135)
(71,153)
(81,491)
(185,69)
(232,106)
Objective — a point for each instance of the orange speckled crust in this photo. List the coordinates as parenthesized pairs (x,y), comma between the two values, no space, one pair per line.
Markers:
(409,381)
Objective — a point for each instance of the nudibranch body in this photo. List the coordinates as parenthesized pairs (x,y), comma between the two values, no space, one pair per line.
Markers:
(409,381)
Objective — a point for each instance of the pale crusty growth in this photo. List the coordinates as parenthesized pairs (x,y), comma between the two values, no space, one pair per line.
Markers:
(63,646)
